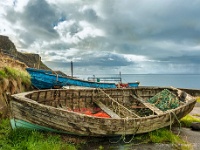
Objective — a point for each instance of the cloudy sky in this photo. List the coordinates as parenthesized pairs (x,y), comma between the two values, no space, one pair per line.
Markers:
(107,36)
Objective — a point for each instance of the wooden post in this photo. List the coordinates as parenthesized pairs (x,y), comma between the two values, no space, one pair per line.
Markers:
(120,75)
(39,61)
(71,68)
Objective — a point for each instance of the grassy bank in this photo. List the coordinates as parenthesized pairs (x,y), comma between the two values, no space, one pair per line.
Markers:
(33,140)
(12,72)
(12,80)
(23,139)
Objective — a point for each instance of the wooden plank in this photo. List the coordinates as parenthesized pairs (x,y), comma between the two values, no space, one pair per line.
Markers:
(148,105)
(107,110)
(128,113)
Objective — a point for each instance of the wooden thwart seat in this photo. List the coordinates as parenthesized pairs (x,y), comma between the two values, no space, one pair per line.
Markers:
(107,110)
(118,108)
(148,105)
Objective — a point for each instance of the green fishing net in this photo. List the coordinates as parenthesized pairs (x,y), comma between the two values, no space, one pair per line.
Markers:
(165,100)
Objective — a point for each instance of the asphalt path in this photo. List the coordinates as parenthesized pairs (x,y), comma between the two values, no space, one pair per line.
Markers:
(188,134)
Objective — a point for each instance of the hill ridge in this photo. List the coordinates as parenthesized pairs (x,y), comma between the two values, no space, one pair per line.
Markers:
(7,47)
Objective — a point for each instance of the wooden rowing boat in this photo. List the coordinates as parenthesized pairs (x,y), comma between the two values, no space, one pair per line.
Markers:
(45,79)
(123,111)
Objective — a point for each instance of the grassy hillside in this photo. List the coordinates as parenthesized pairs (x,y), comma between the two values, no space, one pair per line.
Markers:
(13,79)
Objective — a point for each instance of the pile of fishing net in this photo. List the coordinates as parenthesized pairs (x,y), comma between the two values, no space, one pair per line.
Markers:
(165,100)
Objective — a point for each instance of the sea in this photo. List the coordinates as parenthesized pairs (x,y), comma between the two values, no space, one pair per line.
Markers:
(191,81)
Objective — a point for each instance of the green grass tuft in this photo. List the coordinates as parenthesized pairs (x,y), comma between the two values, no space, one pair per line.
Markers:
(164,136)
(188,119)
(25,139)
(12,73)
(198,99)
(3,74)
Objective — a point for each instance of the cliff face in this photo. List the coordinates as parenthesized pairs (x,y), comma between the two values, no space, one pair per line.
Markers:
(13,73)
(7,47)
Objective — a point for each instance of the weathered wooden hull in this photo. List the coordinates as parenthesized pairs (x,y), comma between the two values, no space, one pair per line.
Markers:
(49,109)
(43,79)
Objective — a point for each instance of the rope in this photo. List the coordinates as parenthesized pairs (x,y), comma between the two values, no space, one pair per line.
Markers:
(108,96)
(125,120)
(123,136)
(112,100)
(170,127)
(114,142)
(178,122)
(132,135)
(120,106)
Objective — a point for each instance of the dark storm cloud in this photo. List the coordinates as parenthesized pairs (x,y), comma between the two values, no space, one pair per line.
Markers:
(185,59)
(74,29)
(56,46)
(37,19)
(135,21)
(90,14)
(106,60)
(39,13)
(110,60)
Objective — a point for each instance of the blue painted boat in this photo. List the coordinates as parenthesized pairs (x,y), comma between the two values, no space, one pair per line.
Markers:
(45,79)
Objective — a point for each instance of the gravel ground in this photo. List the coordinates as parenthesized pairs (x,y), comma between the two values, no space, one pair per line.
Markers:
(189,135)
